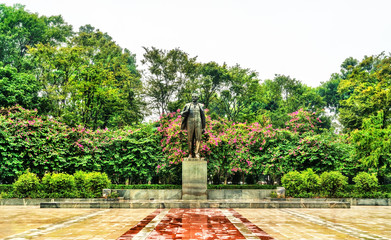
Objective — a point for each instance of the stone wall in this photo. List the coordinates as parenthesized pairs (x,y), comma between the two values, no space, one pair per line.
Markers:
(175,194)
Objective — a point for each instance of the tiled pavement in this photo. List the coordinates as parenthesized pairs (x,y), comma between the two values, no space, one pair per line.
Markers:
(123,224)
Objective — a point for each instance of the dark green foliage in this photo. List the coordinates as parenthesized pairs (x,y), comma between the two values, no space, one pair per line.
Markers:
(385,188)
(285,94)
(6,188)
(169,77)
(90,81)
(329,91)
(26,185)
(18,88)
(332,183)
(372,145)
(20,29)
(365,183)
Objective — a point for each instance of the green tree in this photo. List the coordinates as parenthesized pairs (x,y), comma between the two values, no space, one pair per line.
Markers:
(367,88)
(329,90)
(239,91)
(372,145)
(285,95)
(170,76)
(55,68)
(20,29)
(18,88)
(213,76)
(92,81)
(117,100)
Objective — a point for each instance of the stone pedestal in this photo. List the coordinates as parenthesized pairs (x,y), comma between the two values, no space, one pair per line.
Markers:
(194,179)
(280,192)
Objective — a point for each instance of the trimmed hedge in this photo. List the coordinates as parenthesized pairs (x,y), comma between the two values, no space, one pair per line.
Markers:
(6,187)
(27,185)
(365,183)
(333,184)
(57,185)
(385,188)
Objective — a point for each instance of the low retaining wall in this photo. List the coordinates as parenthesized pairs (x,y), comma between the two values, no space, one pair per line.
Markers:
(352,201)
(176,194)
(37,201)
(195,204)
(149,194)
(213,194)
(245,194)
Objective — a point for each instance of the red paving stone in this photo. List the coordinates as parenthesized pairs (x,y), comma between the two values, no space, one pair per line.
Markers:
(136,229)
(195,224)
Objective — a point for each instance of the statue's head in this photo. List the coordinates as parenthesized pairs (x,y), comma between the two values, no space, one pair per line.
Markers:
(194,96)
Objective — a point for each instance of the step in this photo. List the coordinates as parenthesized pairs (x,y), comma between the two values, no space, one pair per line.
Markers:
(195,204)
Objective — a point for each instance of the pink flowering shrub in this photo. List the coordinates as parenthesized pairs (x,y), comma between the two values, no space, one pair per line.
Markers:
(242,149)
(154,152)
(303,122)
(42,144)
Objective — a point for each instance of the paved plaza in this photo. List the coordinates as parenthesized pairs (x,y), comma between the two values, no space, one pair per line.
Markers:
(31,222)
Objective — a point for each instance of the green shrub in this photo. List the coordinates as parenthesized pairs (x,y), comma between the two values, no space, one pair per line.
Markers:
(332,183)
(385,188)
(292,182)
(58,185)
(310,183)
(6,187)
(80,179)
(365,183)
(91,184)
(273,194)
(97,181)
(81,184)
(7,195)
(113,194)
(26,185)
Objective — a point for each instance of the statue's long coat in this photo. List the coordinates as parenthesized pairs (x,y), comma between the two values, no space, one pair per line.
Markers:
(185,114)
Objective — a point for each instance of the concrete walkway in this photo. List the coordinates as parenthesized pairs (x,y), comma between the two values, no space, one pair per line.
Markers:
(32,222)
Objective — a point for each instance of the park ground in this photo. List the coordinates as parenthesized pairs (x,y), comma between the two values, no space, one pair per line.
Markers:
(32,222)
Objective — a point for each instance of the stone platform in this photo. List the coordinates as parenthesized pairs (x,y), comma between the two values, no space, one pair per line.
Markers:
(196,204)
(357,222)
(194,179)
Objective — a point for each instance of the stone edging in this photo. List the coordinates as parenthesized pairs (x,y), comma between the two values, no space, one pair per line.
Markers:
(352,201)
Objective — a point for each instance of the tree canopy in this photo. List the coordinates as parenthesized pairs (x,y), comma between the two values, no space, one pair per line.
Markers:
(84,79)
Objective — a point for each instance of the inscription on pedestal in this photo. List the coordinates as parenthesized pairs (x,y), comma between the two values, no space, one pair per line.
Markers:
(194,179)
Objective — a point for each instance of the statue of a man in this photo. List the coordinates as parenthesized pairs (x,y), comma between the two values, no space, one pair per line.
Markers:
(193,120)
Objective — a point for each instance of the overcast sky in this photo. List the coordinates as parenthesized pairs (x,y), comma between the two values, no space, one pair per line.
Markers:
(307,40)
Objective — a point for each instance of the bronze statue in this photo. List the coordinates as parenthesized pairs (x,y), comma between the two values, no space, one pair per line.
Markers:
(193,119)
